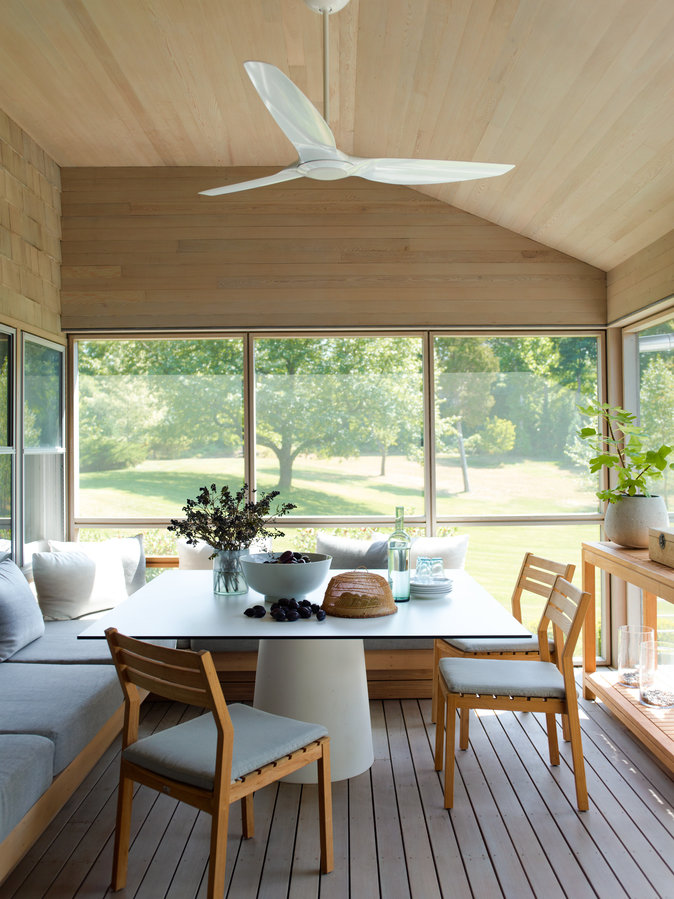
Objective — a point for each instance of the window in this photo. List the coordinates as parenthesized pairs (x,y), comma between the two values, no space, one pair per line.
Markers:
(7,443)
(649,354)
(339,423)
(43,443)
(467,432)
(156,420)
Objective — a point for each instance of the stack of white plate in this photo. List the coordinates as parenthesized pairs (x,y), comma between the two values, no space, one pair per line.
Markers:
(430,589)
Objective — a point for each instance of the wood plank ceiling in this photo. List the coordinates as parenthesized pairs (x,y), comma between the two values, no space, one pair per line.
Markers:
(578,95)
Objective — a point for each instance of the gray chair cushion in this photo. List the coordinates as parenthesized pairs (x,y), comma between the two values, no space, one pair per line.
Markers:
(20,617)
(502,644)
(349,553)
(498,677)
(68,704)
(26,767)
(59,646)
(186,752)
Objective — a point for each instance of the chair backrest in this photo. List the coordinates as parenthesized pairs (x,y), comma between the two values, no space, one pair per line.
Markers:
(537,575)
(565,610)
(176,674)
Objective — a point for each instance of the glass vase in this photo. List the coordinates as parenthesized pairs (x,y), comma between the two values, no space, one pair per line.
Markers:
(656,673)
(228,576)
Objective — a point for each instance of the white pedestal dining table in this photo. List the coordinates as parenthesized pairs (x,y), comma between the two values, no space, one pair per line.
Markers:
(307,669)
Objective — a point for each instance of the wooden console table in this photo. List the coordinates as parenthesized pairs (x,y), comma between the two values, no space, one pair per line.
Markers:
(654,728)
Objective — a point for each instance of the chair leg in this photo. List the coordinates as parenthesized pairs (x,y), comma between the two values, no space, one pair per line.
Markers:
(450,751)
(247,817)
(435,696)
(553,745)
(464,724)
(578,760)
(566,733)
(218,857)
(325,811)
(120,858)
(440,724)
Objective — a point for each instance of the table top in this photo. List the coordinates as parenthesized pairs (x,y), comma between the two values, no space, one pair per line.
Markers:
(181,604)
(632,565)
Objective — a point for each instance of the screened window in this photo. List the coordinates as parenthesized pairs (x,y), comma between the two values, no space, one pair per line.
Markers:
(157,420)
(7,446)
(43,443)
(505,425)
(339,423)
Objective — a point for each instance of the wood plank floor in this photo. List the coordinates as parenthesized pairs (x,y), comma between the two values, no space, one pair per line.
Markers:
(514,831)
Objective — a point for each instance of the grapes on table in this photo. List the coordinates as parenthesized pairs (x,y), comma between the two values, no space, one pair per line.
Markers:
(287,609)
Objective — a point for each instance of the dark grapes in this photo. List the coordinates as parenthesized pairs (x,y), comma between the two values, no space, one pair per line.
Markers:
(287,609)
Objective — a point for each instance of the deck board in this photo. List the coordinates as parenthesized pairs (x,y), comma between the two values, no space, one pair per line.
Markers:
(514,831)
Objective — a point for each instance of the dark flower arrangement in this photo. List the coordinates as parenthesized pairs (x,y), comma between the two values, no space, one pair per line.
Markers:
(228,522)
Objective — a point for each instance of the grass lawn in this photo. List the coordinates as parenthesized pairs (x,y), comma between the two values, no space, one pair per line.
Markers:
(158,489)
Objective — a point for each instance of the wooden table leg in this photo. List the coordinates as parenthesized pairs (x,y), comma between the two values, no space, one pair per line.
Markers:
(589,628)
(649,611)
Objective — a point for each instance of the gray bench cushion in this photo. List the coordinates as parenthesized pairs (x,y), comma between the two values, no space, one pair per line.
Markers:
(59,646)
(186,752)
(498,677)
(68,704)
(504,644)
(26,767)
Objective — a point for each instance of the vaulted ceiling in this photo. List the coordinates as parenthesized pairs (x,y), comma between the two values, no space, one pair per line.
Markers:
(578,95)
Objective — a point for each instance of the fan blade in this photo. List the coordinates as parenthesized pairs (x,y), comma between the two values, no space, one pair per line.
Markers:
(295,115)
(425,171)
(284,175)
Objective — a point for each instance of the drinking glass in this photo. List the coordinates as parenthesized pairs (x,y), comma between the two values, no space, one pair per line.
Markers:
(630,638)
(437,569)
(656,672)
(424,568)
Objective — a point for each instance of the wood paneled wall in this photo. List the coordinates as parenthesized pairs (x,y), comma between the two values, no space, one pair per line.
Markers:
(642,280)
(30,232)
(142,250)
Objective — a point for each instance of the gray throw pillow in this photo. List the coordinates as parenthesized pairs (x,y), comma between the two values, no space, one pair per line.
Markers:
(20,617)
(348,552)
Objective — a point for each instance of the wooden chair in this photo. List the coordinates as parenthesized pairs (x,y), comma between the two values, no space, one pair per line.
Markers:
(537,576)
(531,686)
(209,761)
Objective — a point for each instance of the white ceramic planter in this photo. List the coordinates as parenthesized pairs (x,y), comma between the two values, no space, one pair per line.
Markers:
(627,521)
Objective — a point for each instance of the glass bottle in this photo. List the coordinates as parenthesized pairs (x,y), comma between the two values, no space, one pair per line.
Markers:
(399,559)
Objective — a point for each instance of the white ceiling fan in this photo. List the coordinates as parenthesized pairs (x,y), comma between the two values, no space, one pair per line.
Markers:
(310,134)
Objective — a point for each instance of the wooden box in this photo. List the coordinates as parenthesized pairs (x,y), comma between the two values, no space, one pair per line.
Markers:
(661,546)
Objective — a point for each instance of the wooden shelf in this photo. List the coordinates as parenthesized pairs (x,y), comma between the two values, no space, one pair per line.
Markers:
(653,727)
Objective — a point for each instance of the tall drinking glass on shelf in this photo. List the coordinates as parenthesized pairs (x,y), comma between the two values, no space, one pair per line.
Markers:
(399,544)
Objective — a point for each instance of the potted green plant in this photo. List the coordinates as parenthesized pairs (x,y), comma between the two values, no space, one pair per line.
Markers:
(618,445)
(229,523)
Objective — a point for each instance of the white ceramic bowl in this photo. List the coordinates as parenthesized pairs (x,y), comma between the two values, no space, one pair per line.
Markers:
(292,581)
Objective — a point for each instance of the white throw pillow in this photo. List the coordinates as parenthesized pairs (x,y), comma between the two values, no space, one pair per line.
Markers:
(73,584)
(129,550)
(193,558)
(452,550)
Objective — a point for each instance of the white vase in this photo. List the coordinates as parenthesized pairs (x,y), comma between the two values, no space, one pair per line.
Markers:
(627,521)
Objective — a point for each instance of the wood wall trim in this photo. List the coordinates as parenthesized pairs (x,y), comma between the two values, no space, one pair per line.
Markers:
(141,249)
(643,280)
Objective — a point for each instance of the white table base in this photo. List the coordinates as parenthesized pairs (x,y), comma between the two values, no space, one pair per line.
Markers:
(322,681)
